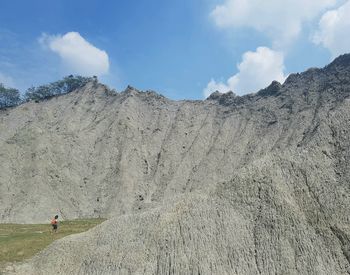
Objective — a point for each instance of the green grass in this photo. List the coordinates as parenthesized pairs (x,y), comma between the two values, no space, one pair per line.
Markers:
(22,241)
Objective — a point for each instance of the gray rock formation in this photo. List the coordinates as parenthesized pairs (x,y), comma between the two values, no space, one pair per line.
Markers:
(258,184)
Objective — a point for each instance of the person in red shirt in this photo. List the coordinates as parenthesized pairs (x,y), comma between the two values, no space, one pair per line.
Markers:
(54,223)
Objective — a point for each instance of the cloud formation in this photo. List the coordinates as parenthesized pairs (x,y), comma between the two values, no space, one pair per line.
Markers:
(78,55)
(281,20)
(333,31)
(256,71)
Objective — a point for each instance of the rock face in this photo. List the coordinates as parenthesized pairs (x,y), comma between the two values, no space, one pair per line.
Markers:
(258,184)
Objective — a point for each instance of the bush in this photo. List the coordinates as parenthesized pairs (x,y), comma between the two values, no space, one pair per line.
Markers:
(9,97)
(64,86)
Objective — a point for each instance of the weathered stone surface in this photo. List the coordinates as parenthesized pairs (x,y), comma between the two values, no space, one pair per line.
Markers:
(257,184)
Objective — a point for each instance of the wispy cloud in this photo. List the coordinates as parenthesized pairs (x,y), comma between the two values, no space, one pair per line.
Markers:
(77,54)
(257,70)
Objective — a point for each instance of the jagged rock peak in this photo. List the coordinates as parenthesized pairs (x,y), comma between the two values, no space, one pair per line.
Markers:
(217,95)
(272,89)
(342,61)
(225,99)
(132,91)
(97,88)
(335,73)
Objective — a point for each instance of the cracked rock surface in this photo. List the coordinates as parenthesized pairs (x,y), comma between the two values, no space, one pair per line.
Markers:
(258,184)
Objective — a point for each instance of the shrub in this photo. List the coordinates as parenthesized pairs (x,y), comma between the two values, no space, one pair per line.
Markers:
(9,97)
(64,86)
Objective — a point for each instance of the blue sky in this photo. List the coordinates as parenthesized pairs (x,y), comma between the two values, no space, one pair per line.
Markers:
(183,49)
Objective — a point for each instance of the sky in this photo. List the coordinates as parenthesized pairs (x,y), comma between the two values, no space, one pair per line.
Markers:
(183,49)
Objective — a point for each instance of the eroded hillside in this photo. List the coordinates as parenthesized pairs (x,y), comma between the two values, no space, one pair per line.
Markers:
(257,184)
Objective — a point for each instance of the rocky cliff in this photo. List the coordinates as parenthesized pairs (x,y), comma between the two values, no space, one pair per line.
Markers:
(257,184)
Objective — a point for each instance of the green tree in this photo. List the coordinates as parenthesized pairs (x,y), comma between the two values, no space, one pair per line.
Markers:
(9,97)
(64,86)
(38,93)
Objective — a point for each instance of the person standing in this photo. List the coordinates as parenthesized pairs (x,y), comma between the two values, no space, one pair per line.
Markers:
(54,223)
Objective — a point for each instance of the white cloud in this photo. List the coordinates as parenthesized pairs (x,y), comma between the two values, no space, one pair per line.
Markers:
(333,32)
(77,54)
(214,86)
(6,80)
(281,20)
(256,71)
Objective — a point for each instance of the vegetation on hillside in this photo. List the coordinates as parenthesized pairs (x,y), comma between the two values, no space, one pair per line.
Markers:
(22,241)
(10,97)
(64,86)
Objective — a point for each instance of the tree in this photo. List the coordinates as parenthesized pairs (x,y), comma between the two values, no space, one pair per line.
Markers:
(64,86)
(9,97)
(38,93)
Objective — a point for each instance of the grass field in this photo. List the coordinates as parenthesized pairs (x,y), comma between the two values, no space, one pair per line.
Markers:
(22,241)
